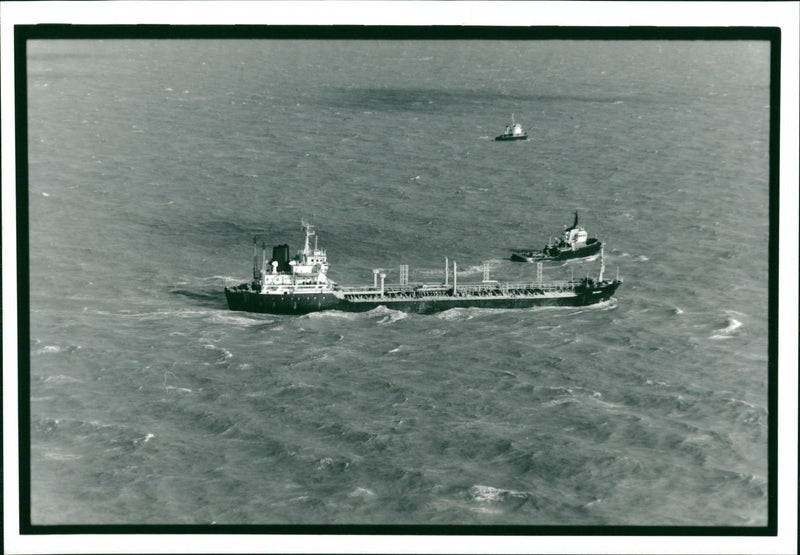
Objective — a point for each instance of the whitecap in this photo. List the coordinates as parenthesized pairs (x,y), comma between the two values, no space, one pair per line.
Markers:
(602,305)
(327,314)
(225,317)
(62,456)
(745,403)
(489,494)
(485,493)
(455,314)
(727,332)
(144,439)
(223,354)
(362,493)
(60,378)
(172,387)
(394,316)
(581,259)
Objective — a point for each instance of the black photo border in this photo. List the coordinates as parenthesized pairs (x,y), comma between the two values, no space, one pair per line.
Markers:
(25,33)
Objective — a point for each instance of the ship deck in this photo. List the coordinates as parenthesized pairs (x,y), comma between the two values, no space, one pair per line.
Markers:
(474,290)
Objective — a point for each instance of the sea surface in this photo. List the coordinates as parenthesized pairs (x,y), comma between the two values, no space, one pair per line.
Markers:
(154,163)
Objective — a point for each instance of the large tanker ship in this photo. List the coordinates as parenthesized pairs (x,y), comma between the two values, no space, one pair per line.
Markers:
(301,285)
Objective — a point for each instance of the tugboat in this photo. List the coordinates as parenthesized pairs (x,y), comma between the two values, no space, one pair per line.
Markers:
(301,285)
(573,243)
(513,132)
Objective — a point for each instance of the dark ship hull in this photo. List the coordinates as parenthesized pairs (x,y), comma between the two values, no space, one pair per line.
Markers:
(423,301)
(557,255)
(511,137)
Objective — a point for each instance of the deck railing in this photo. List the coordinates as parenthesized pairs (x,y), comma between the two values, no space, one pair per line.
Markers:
(418,290)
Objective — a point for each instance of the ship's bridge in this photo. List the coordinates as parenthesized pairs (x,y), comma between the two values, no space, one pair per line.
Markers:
(575,235)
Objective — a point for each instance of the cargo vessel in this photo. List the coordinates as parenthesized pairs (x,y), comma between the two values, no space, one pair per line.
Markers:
(301,285)
(573,243)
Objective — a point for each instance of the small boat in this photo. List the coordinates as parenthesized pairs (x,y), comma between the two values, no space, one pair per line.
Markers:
(301,285)
(573,243)
(513,132)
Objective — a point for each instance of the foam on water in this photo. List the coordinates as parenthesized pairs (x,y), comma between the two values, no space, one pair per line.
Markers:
(729,330)
(223,354)
(242,319)
(60,378)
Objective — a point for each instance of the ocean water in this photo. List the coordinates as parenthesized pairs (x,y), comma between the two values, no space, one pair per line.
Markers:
(153,164)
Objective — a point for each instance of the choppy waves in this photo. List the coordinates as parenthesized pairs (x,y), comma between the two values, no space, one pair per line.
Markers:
(151,402)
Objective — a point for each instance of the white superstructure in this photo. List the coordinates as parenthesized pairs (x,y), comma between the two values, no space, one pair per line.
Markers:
(307,273)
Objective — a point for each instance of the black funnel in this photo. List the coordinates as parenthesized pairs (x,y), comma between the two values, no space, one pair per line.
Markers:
(280,254)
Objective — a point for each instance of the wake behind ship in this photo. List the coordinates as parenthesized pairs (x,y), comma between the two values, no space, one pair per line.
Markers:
(301,285)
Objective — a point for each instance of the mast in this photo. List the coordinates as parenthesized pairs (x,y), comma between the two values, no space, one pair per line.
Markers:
(602,263)
(446,271)
(309,232)
(255,257)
